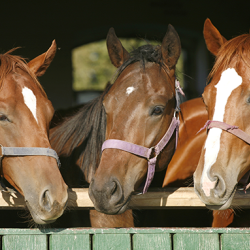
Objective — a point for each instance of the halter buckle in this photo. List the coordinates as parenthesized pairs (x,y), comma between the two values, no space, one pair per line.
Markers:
(1,155)
(176,113)
(152,153)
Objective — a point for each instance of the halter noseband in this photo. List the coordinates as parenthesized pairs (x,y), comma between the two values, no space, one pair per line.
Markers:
(229,128)
(25,151)
(150,153)
(234,130)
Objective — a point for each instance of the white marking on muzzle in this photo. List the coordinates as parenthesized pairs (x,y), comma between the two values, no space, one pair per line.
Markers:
(229,81)
(129,90)
(30,100)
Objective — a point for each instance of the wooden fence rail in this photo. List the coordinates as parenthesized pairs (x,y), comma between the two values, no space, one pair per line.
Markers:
(125,239)
(154,199)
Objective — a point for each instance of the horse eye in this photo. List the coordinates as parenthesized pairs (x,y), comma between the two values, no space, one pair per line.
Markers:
(157,110)
(248,99)
(3,118)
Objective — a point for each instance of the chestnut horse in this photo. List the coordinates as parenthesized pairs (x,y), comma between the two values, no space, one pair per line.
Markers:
(139,109)
(180,170)
(225,157)
(27,161)
(183,164)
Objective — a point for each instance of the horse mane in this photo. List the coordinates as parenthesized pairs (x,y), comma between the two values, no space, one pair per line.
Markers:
(85,130)
(9,63)
(238,47)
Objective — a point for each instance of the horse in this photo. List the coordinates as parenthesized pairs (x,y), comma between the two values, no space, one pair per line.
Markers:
(27,161)
(140,112)
(183,164)
(180,170)
(225,156)
(78,139)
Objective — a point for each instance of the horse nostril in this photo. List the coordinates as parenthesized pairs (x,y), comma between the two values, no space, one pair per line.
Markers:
(45,201)
(220,187)
(114,188)
(115,191)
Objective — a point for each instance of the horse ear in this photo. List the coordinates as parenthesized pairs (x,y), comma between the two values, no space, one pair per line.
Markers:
(214,40)
(171,47)
(40,64)
(117,54)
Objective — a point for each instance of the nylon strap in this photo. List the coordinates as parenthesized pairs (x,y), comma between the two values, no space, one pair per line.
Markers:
(147,152)
(33,151)
(234,130)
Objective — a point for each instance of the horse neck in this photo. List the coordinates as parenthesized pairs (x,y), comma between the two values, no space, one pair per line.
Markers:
(80,137)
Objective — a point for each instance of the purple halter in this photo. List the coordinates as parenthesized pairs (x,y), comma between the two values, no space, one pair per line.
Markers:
(238,133)
(229,128)
(156,150)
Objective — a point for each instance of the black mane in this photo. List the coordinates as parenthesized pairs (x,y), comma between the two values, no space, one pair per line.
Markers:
(86,129)
(144,54)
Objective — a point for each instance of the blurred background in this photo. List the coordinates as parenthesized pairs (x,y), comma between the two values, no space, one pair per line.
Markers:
(81,68)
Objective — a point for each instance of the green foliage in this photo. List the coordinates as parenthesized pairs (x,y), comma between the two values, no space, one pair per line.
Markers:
(92,68)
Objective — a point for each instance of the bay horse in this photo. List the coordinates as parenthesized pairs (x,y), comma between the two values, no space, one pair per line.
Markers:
(27,161)
(225,156)
(139,109)
(136,106)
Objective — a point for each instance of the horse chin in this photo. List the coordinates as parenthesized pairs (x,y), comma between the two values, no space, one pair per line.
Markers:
(37,219)
(224,206)
(119,209)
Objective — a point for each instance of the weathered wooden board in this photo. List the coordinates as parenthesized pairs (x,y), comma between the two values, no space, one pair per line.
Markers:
(27,242)
(196,241)
(126,238)
(155,199)
(152,241)
(70,242)
(111,242)
(235,241)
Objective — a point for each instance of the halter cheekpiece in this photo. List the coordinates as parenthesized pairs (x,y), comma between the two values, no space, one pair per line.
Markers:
(150,153)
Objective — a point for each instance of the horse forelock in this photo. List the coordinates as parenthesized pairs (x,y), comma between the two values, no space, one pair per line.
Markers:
(9,63)
(143,54)
(237,48)
(86,129)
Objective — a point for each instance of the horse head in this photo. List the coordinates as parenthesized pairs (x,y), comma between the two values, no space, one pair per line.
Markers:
(225,158)
(25,115)
(139,108)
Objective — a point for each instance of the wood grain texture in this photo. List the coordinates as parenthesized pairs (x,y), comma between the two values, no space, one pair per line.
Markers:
(70,242)
(155,198)
(196,242)
(152,241)
(111,242)
(130,238)
(235,241)
(27,242)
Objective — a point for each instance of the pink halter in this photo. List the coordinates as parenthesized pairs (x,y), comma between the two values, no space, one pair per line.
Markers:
(229,128)
(148,152)
(238,133)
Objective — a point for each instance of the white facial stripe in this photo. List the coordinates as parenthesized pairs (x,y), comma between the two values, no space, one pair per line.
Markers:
(30,100)
(229,81)
(129,90)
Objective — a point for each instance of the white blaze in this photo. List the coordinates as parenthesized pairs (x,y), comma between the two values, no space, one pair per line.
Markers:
(229,81)
(30,100)
(129,90)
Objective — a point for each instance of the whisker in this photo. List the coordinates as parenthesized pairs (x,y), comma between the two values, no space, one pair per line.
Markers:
(189,182)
